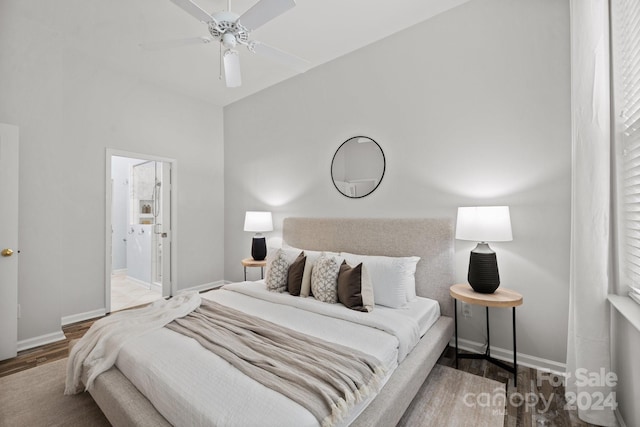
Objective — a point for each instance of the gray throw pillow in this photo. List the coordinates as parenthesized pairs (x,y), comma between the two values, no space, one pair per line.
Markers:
(324,279)
(277,275)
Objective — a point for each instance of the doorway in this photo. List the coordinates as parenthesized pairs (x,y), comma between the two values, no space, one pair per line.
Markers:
(139,227)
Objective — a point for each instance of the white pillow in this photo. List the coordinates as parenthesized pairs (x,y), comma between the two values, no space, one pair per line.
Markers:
(393,278)
(312,257)
(368,298)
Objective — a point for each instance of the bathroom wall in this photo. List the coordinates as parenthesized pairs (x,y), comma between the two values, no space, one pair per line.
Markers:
(120,174)
(140,253)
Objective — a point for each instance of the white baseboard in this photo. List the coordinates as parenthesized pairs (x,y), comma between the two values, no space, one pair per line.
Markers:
(152,286)
(80,317)
(41,340)
(507,355)
(119,271)
(139,282)
(204,287)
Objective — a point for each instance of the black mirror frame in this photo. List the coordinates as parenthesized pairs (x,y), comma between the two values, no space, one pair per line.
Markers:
(384,167)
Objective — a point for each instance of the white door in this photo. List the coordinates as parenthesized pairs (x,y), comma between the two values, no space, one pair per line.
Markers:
(8,241)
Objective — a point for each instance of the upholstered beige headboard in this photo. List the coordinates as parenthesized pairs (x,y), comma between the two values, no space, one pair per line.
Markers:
(430,238)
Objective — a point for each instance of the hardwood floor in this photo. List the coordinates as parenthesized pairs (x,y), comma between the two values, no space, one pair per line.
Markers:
(47,353)
(534,403)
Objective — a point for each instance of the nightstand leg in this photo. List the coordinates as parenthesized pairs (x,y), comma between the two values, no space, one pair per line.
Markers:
(515,359)
(488,351)
(262,272)
(245,274)
(455,317)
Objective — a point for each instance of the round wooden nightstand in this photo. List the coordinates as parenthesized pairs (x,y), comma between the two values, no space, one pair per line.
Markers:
(502,297)
(250,262)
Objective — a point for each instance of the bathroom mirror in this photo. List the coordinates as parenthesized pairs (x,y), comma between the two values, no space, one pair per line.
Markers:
(357,167)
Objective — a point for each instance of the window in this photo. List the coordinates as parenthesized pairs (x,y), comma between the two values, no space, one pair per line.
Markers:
(625,36)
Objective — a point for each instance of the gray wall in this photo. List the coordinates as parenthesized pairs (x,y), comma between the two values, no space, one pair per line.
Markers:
(470,107)
(70,107)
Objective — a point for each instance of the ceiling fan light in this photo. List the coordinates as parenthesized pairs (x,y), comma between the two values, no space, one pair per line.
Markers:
(229,40)
(232,76)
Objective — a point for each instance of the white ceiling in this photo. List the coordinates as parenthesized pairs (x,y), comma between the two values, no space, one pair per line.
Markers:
(317,30)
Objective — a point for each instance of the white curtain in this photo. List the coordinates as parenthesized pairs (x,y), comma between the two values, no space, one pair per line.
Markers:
(588,350)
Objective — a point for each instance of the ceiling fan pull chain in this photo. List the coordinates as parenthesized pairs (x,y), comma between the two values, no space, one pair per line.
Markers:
(220,63)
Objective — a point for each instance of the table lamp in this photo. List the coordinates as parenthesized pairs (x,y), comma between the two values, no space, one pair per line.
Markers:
(484,224)
(258,222)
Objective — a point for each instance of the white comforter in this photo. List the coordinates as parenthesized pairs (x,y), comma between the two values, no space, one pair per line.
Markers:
(191,386)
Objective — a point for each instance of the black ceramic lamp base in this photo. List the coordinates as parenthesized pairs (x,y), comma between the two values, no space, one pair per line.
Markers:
(483,269)
(259,248)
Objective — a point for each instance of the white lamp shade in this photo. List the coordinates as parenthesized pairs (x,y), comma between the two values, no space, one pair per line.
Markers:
(484,224)
(258,221)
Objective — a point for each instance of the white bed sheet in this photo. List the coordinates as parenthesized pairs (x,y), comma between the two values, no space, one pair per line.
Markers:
(204,390)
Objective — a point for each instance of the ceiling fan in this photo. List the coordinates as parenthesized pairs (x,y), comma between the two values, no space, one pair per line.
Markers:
(231,30)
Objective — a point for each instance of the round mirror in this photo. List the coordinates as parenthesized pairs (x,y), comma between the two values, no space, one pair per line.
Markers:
(357,167)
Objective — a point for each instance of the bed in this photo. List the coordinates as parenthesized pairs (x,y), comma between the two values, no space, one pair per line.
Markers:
(430,239)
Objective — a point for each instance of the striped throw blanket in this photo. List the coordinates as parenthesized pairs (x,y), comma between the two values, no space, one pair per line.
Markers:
(325,378)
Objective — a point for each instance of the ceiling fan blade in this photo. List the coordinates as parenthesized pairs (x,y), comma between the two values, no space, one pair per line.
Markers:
(194,10)
(232,75)
(168,44)
(292,61)
(263,12)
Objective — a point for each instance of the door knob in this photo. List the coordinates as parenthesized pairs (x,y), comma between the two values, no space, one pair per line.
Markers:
(6,252)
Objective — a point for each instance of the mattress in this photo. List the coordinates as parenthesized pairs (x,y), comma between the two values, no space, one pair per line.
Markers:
(202,389)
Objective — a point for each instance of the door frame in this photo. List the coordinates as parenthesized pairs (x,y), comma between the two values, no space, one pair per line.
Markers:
(10,151)
(110,152)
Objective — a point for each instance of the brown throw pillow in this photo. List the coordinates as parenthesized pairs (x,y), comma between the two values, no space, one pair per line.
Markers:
(294,279)
(350,286)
